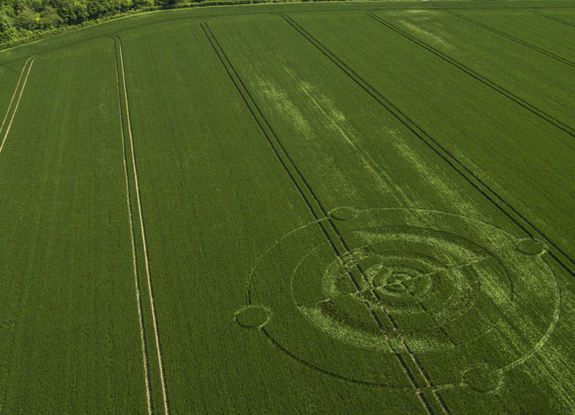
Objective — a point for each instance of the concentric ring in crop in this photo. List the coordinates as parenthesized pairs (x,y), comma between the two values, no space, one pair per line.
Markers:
(441,285)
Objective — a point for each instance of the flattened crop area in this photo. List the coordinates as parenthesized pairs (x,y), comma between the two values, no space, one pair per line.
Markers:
(299,209)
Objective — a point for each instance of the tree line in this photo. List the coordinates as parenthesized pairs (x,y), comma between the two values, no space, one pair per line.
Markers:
(24,18)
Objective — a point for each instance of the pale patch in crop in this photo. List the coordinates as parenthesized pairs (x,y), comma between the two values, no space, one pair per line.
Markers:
(427,35)
(450,194)
(281,102)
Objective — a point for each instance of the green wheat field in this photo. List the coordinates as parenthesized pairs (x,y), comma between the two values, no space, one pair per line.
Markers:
(351,208)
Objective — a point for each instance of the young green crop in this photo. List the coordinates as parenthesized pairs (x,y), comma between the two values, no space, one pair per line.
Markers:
(338,208)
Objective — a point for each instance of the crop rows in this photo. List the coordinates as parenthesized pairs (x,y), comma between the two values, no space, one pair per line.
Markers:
(362,209)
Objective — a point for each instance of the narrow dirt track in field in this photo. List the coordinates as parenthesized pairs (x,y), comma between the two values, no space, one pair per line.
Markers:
(134,257)
(14,95)
(432,404)
(528,227)
(555,19)
(513,38)
(143,233)
(477,76)
(31,60)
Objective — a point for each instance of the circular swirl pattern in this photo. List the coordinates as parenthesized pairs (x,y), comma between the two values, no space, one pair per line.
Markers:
(422,279)
(439,286)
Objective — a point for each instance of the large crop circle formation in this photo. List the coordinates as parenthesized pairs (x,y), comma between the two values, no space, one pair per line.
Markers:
(356,293)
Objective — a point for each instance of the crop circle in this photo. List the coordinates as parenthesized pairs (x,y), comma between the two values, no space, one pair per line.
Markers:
(394,281)
(252,316)
(343,213)
(531,247)
(482,378)
(406,273)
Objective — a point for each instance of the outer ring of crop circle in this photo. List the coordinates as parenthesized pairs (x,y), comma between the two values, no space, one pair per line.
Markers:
(522,357)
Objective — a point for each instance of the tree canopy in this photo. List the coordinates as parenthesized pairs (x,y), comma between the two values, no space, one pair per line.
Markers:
(22,18)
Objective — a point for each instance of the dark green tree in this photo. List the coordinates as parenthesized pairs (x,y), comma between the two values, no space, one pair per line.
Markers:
(49,18)
(7,30)
(27,19)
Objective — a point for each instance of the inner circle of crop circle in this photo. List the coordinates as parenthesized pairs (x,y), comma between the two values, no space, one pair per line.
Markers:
(396,281)
(432,278)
